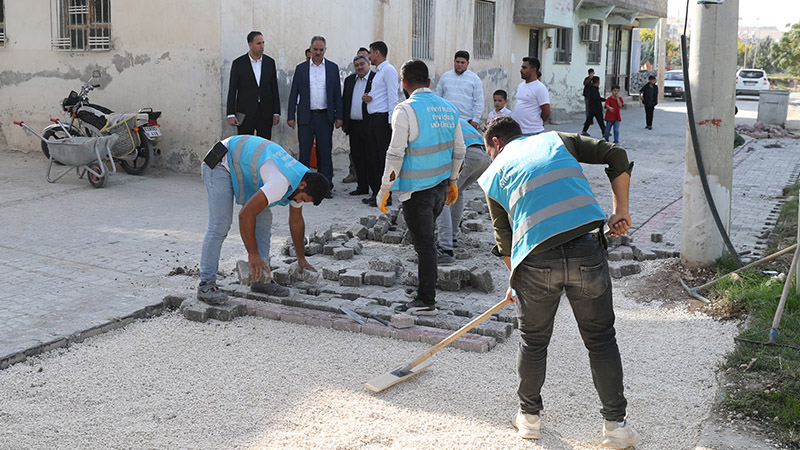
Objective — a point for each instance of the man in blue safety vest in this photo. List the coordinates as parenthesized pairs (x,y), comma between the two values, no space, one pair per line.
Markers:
(548,228)
(259,174)
(422,164)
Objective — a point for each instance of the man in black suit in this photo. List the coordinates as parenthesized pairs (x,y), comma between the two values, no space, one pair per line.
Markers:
(355,118)
(253,103)
(316,97)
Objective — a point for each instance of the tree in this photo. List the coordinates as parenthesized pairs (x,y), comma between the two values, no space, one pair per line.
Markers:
(648,36)
(763,55)
(786,54)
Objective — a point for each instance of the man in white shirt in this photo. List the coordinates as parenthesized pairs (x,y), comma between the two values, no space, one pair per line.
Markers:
(422,164)
(258,174)
(532,109)
(381,98)
(316,98)
(463,89)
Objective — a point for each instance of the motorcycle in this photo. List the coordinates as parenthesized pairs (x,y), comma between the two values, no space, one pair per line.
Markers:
(90,119)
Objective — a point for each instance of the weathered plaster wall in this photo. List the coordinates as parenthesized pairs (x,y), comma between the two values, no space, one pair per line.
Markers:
(168,61)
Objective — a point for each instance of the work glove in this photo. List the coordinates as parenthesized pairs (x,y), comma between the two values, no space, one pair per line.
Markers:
(381,200)
(452,194)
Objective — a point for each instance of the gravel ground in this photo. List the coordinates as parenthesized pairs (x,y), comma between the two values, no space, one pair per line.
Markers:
(255,383)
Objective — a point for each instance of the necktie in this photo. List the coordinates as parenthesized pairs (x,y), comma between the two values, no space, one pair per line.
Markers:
(366,91)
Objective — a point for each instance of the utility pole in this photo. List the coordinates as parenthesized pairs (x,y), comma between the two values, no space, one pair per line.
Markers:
(712,72)
(661,57)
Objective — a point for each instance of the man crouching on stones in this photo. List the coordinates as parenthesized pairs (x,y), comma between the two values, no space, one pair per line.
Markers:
(548,228)
(259,174)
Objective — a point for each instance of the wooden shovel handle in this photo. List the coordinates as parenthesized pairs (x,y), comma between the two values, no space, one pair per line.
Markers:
(458,333)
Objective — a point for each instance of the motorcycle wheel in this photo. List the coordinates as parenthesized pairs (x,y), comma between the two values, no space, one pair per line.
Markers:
(143,154)
(94,180)
(56,133)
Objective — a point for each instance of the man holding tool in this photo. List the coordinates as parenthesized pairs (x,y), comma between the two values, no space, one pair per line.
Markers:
(259,174)
(422,164)
(548,228)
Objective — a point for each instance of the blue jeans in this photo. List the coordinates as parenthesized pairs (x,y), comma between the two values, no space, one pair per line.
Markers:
(580,268)
(219,189)
(476,161)
(612,124)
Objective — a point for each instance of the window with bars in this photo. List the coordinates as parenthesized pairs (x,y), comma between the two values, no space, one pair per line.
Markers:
(563,50)
(81,25)
(483,35)
(594,49)
(2,24)
(422,29)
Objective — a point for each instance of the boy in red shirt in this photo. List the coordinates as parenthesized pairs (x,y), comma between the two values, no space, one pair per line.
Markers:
(613,113)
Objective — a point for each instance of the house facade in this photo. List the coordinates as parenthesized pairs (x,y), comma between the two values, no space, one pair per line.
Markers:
(175,56)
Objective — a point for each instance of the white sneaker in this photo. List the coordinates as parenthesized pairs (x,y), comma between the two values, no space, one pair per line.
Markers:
(618,435)
(527,425)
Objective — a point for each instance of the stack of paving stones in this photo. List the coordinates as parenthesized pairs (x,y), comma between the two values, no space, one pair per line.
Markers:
(624,256)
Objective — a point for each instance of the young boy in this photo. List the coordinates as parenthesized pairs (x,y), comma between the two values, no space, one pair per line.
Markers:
(613,113)
(500,102)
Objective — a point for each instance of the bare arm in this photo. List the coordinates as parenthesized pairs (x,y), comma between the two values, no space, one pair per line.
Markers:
(620,220)
(545,112)
(247,229)
(297,229)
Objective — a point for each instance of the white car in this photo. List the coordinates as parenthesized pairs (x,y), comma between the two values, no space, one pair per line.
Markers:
(751,81)
(673,83)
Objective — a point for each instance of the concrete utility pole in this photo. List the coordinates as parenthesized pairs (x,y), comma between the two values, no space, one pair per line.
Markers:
(712,73)
(661,57)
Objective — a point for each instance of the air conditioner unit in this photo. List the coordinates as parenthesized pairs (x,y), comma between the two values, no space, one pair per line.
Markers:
(590,32)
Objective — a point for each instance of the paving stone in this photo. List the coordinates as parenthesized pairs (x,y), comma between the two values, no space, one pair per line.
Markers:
(243,273)
(357,230)
(330,247)
(308,276)
(271,289)
(462,254)
(643,254)
(374,278)
(449,285)
(194,310)
(355,245)
(473,343)
(452,273)
(383,264)
(411,279)
(623,270)
(291,251)
(347,325)
(402,321)
(469,215)
(376,329)
(393,237)
(478,205)
(369,221)
(282,276)
(472,225)
(625,239)
(332,275)
(432,336)
(400,221)
(314,248)
(294,315)
(656,237)
(408,334)
(322,237)
(481,280)
(342,253)
(228,311)
(350,278)
(320,319)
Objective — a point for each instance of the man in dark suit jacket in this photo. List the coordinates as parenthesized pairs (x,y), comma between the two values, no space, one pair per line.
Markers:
(316,85)
(253,103)
(355,118)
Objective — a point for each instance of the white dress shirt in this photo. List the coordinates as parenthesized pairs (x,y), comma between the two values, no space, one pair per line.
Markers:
(356,112)
(256,63)
(384,90)
(316,79)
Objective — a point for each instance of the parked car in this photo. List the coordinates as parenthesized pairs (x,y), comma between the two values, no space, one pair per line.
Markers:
(673,83)
(751,81)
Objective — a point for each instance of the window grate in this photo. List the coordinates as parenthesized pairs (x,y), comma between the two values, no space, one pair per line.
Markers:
(483,36)
(563,50)
(2,24)
(81,25)
(422,29)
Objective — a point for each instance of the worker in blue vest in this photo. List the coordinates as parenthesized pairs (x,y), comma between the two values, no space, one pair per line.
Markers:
(475,162)
(425,155)
(548,228)
(259,174)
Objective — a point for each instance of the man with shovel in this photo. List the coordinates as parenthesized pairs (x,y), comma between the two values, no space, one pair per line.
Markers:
(259,174)
(548,228)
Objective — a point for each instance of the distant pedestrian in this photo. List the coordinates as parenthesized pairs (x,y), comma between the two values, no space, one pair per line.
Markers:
(500,98)
(463,88)
(586,83)
(595,107)
(532,108)
(613,117)
(649,97)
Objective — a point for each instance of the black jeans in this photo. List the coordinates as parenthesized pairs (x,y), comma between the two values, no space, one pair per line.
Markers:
(648,114)
(379,136)
(420,212)
(580,268)
(260,125)
(359,146)
(594,115)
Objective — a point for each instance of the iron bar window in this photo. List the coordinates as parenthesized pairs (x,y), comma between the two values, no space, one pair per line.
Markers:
(483,36)
(81,25)
(422,29)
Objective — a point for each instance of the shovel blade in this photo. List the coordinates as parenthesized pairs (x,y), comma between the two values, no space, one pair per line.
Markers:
(387,380)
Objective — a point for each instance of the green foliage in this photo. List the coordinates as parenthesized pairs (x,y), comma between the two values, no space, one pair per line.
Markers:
(786,55)
(673,49)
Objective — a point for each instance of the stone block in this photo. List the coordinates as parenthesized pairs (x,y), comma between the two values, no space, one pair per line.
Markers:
(355,245)
(615,254)
(451,273)
(478,205)
(400,221)
(346,325)
(332,275)
(481,280)
(402,321)
(330,247)
(314,248)
(392,264)
(643,254)
(624,270)
(656,237)
(375,329)
(625,239)
(357,230)
(292,251)
(462,254)
(350,278)
(307,276)
(369,221)
(474,343)
(294,315)
(243,272)
(449,285)
(627,252)
(322,237)
(393,237)
(472,225)
(469,215)
(342,253)
(194,310)
(266,310)
(273,289)
(374,278)
(320,319)
(411,279)
(408,334)
(282,276)
(431,336)
(227,312)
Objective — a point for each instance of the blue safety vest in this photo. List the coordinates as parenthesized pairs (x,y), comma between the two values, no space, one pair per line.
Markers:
(246,154)
(471,135)
(543,189)
(429,159)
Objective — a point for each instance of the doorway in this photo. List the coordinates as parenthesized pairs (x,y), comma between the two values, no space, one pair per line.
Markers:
(618,58)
